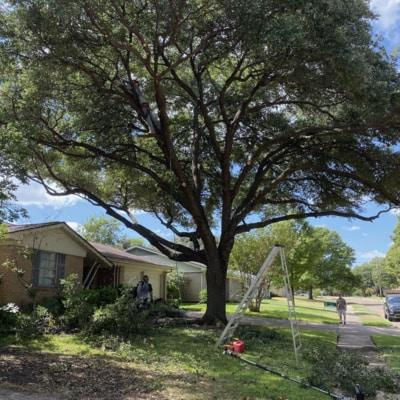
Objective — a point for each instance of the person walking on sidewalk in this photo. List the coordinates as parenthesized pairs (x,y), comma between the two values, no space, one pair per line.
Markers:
(341,307)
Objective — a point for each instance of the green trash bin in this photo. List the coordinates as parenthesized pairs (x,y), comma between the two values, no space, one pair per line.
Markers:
(330,304)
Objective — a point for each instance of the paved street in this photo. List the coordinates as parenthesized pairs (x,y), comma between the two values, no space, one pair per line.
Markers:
(375,306)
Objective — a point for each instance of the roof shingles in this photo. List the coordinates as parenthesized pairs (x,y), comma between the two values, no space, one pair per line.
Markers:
(115,254)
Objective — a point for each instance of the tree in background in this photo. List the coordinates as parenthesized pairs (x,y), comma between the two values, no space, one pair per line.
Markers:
(203,114)
(376,275)
(248,254)
(381,273)
(316,258)
(329,263)
(365,275)
(126,243)
(391,265)
(108,231)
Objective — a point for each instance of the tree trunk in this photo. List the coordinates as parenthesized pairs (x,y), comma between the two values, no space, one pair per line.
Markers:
(216,295)
(310,293)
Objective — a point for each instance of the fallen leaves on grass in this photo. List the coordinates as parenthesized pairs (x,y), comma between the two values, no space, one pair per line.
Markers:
(75,377)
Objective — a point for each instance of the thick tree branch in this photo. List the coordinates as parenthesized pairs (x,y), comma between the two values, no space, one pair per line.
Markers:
(347,214)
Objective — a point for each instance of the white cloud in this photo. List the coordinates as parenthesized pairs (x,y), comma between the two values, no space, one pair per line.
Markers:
(76,226)
(395,211)
(352,228)
(388,13)
(369,255)
(34,194)
(135,211)
(364,234)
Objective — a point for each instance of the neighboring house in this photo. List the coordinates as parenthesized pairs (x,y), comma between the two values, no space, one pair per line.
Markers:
(51,251)
(131,268)
(194,275)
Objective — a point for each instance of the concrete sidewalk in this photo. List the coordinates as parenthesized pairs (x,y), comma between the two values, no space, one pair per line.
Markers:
(354,336)
(284,323)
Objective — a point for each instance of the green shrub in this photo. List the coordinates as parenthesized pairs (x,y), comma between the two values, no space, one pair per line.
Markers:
(77,310)
(80,304)
(39,322)
(203,296)
(331,367)
(121,318)
(370,292)
(317,292)
(101,296)
(9,315)
(175,283)
(54,305)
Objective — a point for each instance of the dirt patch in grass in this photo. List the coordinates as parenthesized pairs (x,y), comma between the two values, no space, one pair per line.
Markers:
(74,377)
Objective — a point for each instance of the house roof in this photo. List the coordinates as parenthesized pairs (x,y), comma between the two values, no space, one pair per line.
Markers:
(117,254)
(13,228)
(158,255)
(17,228)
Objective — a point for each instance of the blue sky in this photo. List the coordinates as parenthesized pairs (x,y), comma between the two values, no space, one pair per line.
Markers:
(369,239)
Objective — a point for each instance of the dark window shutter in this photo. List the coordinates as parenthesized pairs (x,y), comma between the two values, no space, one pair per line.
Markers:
(60,263)
(35,268)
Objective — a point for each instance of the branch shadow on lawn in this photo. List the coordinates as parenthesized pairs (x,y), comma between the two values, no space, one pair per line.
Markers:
(73,376)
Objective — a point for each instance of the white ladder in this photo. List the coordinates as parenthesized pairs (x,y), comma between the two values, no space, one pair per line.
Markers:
(234,321)
(294,326)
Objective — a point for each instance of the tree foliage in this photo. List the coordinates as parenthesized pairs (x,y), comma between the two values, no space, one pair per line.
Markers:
(9,210)
(375,276)
(208,114)
(330,263)
(391,265)
(316,257)
(107,231)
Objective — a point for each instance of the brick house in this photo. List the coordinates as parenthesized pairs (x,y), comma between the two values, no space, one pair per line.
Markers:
(49,252)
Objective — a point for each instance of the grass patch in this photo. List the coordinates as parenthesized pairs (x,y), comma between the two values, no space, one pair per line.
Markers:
(369,319)
(390,347)
(174,363)
(306,310)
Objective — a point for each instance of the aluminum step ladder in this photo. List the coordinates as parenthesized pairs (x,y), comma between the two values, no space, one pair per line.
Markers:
(249,295)
(234,321)
(294,326)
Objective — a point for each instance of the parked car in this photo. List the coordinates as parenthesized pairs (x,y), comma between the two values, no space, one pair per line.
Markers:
(391,306)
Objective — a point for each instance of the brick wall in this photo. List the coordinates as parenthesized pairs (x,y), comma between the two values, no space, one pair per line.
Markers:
(11,290)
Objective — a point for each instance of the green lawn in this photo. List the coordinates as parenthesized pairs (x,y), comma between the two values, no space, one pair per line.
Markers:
(369,319)
(175,363)
(306,310)
(390,347)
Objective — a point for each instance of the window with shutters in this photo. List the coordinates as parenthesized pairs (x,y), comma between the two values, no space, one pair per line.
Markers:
(48,269)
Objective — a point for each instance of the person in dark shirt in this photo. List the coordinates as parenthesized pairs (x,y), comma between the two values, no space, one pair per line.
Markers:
(145,292)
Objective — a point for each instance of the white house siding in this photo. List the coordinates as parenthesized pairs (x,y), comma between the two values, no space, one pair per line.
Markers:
(50,239)
(131,274)
(193,283)
(234,289)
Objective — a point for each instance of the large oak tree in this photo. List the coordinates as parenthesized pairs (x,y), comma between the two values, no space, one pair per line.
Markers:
(216,116)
